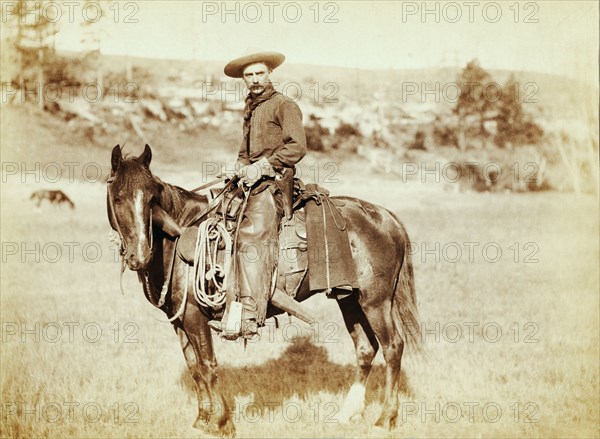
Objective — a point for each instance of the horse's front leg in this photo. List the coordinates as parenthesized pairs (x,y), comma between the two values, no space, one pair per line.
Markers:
(204,410)
(214,415)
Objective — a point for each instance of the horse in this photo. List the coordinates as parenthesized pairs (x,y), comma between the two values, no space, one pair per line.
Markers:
(56,197)
(381,311)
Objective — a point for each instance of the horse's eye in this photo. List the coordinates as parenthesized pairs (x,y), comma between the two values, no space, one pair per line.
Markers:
(153,197)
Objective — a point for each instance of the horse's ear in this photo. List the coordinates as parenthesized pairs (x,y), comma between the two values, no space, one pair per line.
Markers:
(146,156)
(116,157)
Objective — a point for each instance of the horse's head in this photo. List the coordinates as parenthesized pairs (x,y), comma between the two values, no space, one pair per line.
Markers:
(132,191)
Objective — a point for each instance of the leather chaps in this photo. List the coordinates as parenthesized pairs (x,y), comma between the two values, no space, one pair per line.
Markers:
(257,250)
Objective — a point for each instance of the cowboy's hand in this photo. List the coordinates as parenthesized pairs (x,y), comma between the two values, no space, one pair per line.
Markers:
(231,170)
(250,174)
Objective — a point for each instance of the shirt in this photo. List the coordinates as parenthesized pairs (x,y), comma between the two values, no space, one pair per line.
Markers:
(276,133)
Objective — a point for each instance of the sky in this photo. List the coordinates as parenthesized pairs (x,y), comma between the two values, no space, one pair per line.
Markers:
(558,37)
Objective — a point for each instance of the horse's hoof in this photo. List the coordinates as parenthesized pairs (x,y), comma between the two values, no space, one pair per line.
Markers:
(200,424)
(222,428)
(358,418)
(386,422)
(382,432)
(345,418)
(227,429)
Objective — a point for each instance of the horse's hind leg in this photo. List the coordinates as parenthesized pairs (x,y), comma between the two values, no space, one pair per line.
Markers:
(366,346)
(380,318)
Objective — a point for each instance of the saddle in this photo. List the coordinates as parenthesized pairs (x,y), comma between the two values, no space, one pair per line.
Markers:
(313,239)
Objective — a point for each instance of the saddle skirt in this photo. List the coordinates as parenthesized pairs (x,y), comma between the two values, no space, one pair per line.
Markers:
(315,241)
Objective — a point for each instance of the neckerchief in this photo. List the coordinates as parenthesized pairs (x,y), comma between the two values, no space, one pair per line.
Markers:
(251,103)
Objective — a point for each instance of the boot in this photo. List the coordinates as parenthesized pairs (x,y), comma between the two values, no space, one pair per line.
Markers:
(248,327)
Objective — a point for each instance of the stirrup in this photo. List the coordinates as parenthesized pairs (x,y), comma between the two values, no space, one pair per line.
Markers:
(230,322)
(248,329)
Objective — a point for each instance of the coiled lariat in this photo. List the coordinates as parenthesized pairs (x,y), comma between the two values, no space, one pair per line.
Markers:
(212,235)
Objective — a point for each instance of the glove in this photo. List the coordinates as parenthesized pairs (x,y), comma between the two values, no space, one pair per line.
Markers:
(250,174)
(231,170)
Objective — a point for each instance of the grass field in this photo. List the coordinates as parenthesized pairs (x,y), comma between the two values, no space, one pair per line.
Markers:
(511,342)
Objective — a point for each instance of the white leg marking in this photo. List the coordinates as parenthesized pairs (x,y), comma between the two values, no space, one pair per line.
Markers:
(354,403)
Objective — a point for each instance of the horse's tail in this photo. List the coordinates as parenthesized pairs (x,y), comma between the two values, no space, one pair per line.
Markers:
(405,314)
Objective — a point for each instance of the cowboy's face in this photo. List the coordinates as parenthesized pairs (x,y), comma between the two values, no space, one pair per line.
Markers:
(256,77)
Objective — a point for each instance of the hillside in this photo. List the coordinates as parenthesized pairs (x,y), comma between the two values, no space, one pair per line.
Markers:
(191,115)
(552,91)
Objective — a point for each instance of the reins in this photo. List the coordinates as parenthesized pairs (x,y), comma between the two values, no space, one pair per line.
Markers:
(209,184)
(118,239)
(214,203)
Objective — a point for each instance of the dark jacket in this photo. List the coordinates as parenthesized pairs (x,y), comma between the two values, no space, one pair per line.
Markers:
(276,133)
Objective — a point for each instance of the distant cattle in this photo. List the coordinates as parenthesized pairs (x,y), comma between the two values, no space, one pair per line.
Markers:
(56,197)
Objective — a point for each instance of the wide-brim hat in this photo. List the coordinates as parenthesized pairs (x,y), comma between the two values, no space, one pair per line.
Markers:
(235,68)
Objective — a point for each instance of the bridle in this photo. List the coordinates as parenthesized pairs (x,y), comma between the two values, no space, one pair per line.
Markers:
(121,238)
(113,215)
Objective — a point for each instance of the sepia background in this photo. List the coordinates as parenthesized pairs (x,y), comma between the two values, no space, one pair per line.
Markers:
(475,122)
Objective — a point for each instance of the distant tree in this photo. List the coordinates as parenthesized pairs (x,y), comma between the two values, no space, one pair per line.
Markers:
(33,36)
(93,32)
(315,134)
(418,141)
(346,137)
(445,131)
(34,41)
(478,95)
(345,130)
(514,125)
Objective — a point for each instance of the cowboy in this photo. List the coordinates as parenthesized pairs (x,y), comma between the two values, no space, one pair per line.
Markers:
(273,143)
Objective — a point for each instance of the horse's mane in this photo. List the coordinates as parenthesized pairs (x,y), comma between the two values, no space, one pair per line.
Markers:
(174,199)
